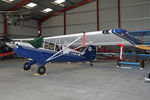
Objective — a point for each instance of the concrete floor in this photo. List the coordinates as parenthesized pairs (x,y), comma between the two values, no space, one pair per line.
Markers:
(75,81)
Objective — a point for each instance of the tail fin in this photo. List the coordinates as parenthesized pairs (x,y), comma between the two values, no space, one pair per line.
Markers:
(90,53)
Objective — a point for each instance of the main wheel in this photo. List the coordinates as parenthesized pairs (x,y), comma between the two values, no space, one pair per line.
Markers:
(118,63)
(91,64)
(41,70)
(26,67)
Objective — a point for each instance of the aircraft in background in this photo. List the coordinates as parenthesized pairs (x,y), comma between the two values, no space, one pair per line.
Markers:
(142,50)
(4,49)
(58,48)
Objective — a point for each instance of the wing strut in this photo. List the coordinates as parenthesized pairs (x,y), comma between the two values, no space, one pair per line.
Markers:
(84,40)
(121,50)
(50,58)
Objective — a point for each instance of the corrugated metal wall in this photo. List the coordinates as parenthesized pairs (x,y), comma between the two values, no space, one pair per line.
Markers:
(53,26)
(135,14)
(83,18)
(28,28)
(1,25)
(108,14)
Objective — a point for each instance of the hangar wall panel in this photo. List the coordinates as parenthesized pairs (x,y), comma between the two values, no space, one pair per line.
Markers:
(52,31)
(108,14)
(1,28)
(28,28)
(82,19)
(1,24)
(53,26)
(135,14)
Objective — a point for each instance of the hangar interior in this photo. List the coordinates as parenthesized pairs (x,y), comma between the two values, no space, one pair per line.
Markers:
(75,81)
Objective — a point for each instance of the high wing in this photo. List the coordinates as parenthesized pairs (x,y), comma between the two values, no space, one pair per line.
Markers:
(107,37)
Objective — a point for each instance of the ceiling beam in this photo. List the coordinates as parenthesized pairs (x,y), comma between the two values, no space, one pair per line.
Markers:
(64,10)
(19,5)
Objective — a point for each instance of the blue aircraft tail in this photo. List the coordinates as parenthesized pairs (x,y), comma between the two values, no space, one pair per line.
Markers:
(90,53)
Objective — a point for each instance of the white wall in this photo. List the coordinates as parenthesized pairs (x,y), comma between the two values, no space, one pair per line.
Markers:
(28,28)
(81,19)
(135,14)
(53,26)
(108,14)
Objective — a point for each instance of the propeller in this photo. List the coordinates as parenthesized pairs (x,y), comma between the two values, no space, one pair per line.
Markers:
(5,38)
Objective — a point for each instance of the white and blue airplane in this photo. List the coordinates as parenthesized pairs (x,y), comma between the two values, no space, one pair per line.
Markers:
(49,51)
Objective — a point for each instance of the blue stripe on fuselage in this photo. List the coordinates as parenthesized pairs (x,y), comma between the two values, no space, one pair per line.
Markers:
(42,55)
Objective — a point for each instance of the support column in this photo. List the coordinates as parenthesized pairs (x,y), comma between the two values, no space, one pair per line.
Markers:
(5,25)
(39,29)
(64,23)
(119,25)
(97,10)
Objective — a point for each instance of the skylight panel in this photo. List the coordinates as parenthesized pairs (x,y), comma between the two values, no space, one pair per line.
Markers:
(59,1)
(31,5)
(47,10)
(9,1)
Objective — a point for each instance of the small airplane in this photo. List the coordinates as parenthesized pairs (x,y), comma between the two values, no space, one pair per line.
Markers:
(58,48)
(142,49)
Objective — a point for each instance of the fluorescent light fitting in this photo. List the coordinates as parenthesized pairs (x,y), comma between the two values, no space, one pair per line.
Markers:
(59,1)
(31,5)
(47,10)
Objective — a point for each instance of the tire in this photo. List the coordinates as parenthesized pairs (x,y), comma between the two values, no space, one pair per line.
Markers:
(91,64)
(26,67)
(41,70)
(118,63)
